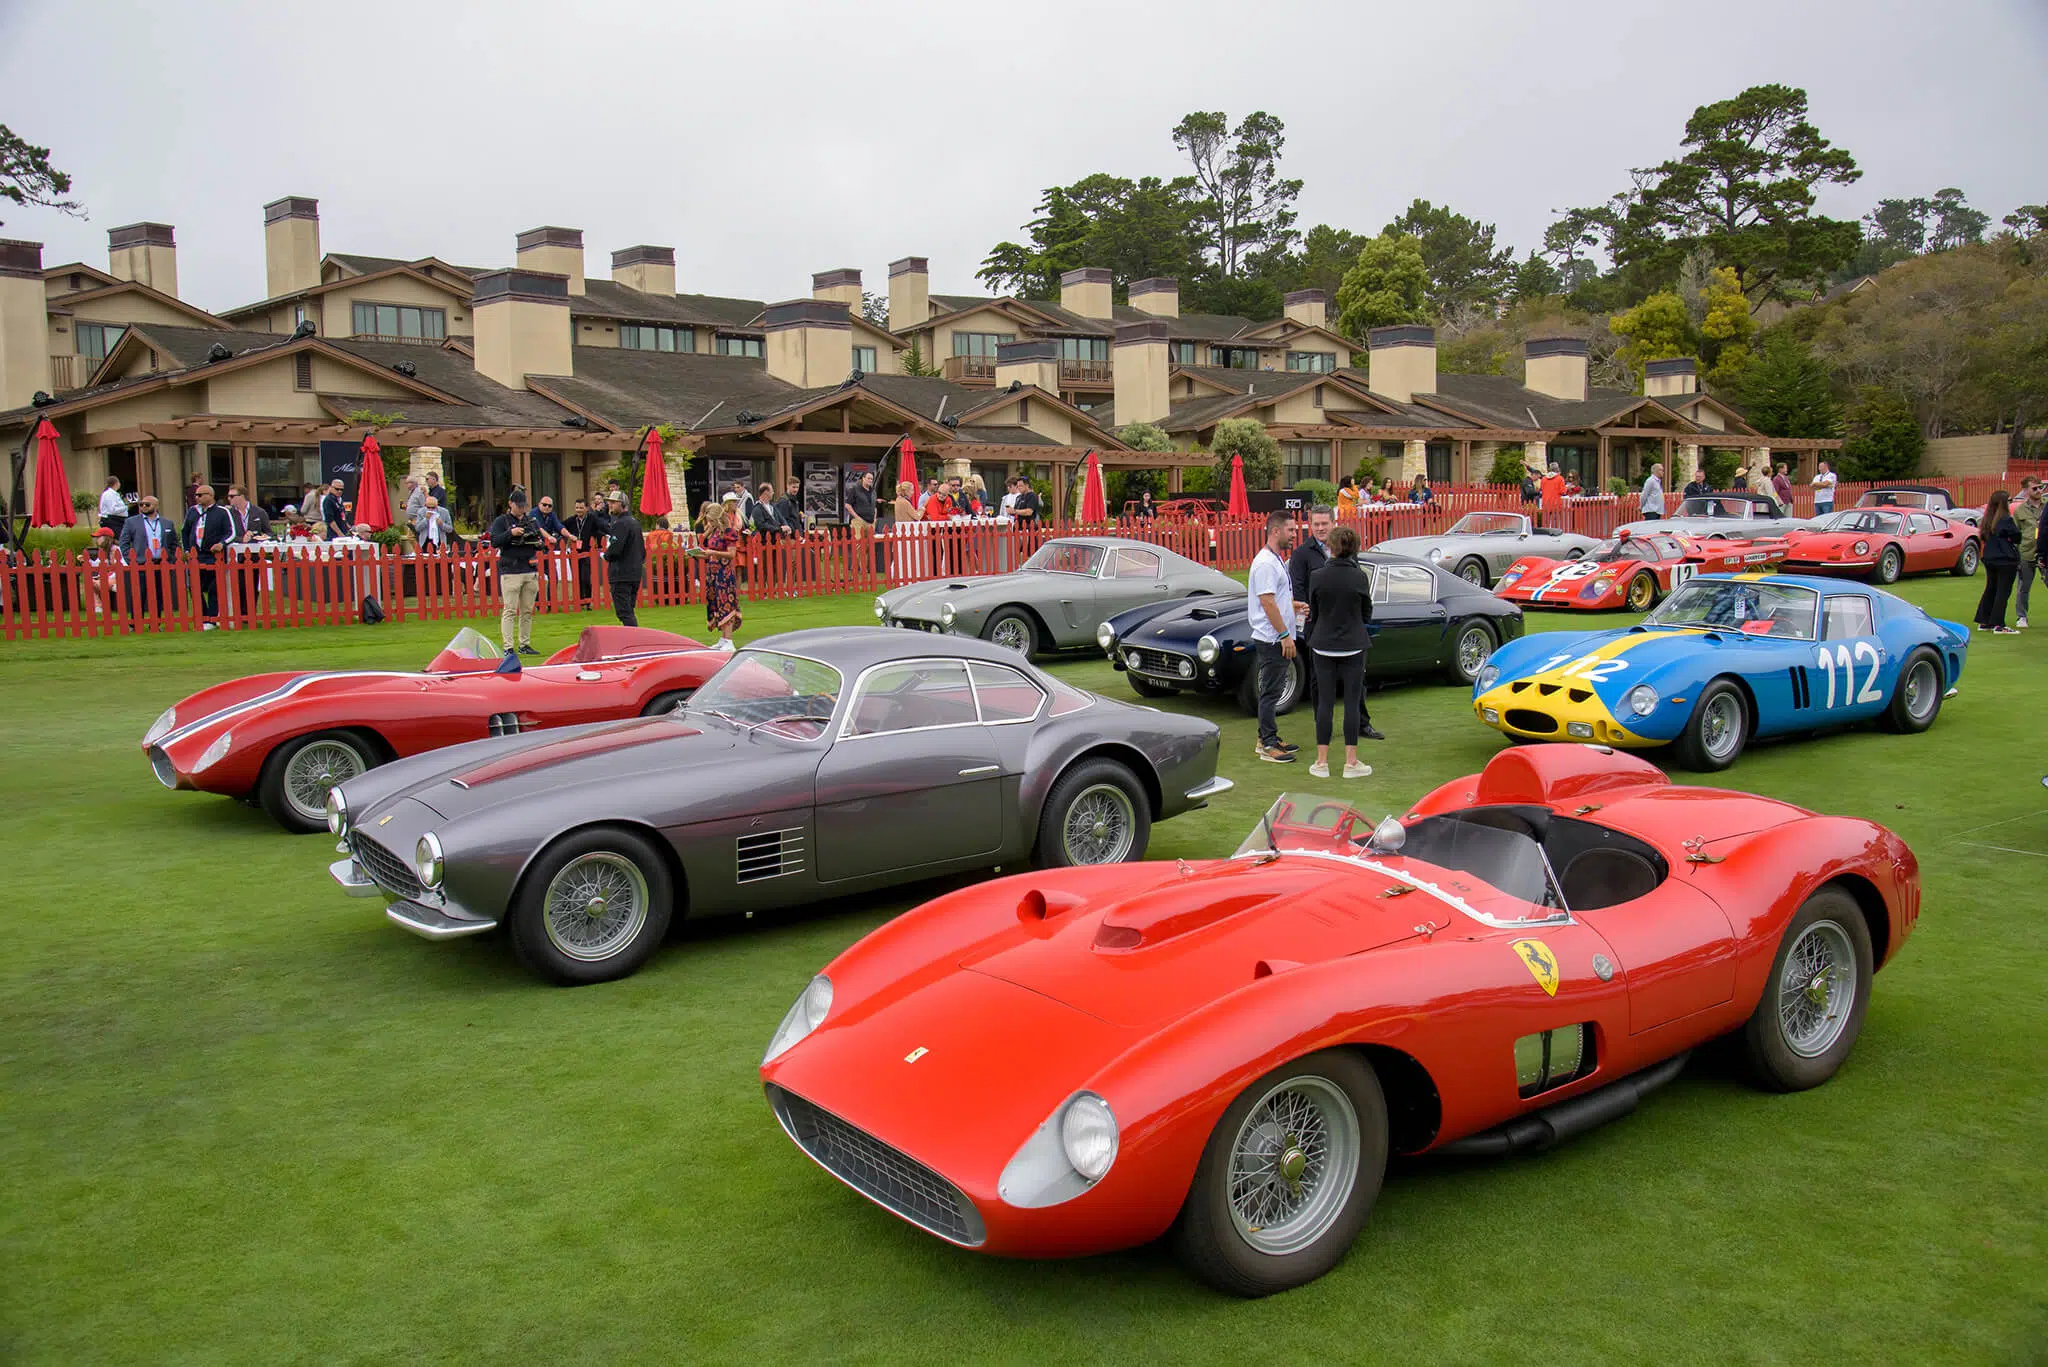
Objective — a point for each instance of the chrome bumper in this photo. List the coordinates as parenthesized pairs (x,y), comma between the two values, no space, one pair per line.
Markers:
(433,923)
(1215,787)
(353,880)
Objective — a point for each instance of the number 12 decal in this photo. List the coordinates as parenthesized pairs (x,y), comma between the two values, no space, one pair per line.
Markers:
(1585,667)
(1839,658)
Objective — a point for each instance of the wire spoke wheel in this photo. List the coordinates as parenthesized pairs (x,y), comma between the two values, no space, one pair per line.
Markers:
(1721,726)
(1473,572)
(1293,1164)
(1816,989)
(1012,634)
(1099,825)
(316,769)
(595,906)
(1474,645)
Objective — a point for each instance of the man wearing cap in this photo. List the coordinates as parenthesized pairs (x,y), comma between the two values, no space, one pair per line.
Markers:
(517,537)
(625,557)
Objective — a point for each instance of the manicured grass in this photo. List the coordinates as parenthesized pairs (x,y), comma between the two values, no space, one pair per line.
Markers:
(246,1120)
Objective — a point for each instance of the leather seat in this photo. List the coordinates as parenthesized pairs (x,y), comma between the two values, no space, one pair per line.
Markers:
(1605,877)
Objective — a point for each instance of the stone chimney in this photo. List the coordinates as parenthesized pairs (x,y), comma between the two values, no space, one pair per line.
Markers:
(1140,364)
(553,251)
(810,342)
(1555,366)
(522,325)
(1402,361)
(1310,308)
(1668,379)
(24,324)
(651,270)
(145,253)
(910,296)
(291,245)
(1032,362)
(841,287)
(1159,296)
(1086,291)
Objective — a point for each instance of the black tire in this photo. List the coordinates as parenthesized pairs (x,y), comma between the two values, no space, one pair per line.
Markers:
(602,960)
(1454,666)
(1095,780)
(666,702)
(1916,702)
(1473,571)
(1206,1236)
(1890,565)
(1007,624)
(1642,592)
(274,786)
(1966,563)
(1774,1057)
(1703,746)
(1145,688)
(1291,694)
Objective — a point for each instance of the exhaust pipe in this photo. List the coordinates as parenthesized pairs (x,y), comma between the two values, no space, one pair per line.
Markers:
(1539,1130)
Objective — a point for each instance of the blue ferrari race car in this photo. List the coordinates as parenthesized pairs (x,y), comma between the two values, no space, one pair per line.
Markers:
(1724,659)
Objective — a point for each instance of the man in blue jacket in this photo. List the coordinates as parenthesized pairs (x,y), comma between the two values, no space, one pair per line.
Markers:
(149,539)
(207,528)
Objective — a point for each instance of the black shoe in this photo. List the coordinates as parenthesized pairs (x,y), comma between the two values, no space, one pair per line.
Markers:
(1370,732)
(528,650)
(1289,746)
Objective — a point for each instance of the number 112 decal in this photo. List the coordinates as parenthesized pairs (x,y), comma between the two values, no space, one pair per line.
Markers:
(1840,659)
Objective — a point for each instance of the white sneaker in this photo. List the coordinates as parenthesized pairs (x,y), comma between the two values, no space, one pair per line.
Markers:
(1319,770)
(1360,770)
(2021,622)
(209,626)
(724,645)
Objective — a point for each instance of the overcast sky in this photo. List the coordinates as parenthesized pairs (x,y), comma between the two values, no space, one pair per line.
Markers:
(764,141)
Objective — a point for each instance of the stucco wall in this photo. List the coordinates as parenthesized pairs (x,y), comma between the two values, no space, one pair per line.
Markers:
(1958,456)
(337,308)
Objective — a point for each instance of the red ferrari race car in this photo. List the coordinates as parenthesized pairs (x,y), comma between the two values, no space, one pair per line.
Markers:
(1066,1063)
(285,740)
(1630,572)
(1880,544)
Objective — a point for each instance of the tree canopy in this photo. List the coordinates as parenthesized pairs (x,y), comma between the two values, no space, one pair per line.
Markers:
(1458,253)
(1245,437)
(1388,284)
(1246,207)
(27,177)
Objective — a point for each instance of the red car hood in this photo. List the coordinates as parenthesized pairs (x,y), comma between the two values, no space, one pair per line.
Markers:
(262,690)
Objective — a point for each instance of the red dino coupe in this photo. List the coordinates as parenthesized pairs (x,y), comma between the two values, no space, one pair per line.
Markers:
(1880,544)
(286,740)
(1069,1063)
(1630,572)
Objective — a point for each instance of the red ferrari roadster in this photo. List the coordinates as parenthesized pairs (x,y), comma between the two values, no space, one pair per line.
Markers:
(1880,544)
(1068,1063)
(286,740)
(1630,572)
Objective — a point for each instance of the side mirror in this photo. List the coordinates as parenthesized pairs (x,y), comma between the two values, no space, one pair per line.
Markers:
(1390,835)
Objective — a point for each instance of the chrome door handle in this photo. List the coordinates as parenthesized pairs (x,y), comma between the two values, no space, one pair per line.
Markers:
(980,769)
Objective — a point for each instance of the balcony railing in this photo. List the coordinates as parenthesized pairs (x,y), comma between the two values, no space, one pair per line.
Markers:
(394,337)
(71,372)
(970,367)
(1084,372)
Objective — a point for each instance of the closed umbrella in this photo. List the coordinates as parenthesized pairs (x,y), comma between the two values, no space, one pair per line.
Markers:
(1240,503)
(1094,507)
(654,496)
(52,506)
(373,495)
(907,468)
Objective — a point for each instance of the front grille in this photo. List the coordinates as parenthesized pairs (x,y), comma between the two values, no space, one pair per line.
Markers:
(770,854)
(913,624)
(1522,719)
(390,873)
(160,763)
(1163,664)
(890,1179)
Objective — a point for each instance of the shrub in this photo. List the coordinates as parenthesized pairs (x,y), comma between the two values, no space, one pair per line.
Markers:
(1507,466)
(83,502)
(1321,490)
(1199,479)
(1248,438)
(1617,485)
(1885,441)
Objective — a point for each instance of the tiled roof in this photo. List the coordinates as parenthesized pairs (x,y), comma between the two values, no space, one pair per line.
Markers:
(631,389)
(188,346)
(452,372)
(367,265)
(1506,402)
(609,299)
(1007,435)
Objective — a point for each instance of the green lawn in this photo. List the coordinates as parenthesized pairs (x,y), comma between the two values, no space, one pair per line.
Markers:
(247,1120)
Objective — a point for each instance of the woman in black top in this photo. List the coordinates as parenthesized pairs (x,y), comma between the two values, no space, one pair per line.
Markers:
(2001,563)
(1339,606)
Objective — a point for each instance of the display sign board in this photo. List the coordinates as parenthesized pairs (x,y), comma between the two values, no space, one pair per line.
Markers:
(342,460)
(821,490)
(725,473)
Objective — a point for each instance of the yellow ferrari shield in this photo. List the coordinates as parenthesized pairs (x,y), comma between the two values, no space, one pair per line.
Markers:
(1541,963)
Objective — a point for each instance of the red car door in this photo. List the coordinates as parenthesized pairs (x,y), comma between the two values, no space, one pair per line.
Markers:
(1932,543)
(1675,949)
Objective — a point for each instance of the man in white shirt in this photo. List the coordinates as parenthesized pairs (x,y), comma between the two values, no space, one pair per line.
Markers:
(1653,492)
(113,507)
(1269,602)
(1824,491)
(1010,498)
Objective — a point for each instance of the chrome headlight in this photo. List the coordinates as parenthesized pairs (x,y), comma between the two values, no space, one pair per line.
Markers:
(1642,700)
(1105,635)
(946,614)
(337,813)
(161,727)
(1437,552)
(1862,548)
(1088,1134)
(1601,586)
(881,608)
(1064,1156)
(806,1015)
(1207,649)
(426,860)
(1489,676)
(215,753)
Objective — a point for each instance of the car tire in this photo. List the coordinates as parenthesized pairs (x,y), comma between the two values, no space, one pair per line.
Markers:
(1107,791)
(663,703)
(1642,593)
(1916,697)
(1145,688)
(1237,1246)
(554,937)
(1802,1030)
(1966,562)
(1291,693)
(297,775)
(1718,730)
(1891,563)
(1473,571)
(1462,668)
(1013,629)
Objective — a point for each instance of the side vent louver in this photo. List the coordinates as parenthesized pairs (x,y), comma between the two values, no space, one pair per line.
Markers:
(769,854)
(504,723)
(1802,688)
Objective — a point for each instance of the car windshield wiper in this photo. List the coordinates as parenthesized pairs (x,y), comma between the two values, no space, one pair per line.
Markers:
(789,716)
(714,712)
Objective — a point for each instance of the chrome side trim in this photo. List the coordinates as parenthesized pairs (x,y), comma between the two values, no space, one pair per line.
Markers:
(1215,787)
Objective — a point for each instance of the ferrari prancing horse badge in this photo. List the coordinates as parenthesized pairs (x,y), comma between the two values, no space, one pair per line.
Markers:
(1541,963)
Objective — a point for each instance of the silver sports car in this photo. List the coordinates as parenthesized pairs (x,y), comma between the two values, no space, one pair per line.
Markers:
(1479,547)
(814,764)
(1056,598)
(1731,516)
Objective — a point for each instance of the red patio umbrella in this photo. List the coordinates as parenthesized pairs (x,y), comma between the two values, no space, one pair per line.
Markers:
(907,470)
(654,495)
(373,495)
(52,506)
(1240,504)
(1094,508)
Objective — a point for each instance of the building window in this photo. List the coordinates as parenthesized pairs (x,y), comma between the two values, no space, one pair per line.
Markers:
(302,370)
(1234,357)
(739,346)
(1437,461)
(1318,362)
(637,338)
(980,343)
(1183,354)
(1304,460)
(400,323)
(864,359)
(97,339)
(1084,348)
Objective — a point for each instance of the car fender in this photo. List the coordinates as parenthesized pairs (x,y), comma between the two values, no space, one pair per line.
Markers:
(1129,620)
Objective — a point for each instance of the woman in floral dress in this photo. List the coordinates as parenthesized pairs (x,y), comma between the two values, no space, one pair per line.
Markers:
(719,545)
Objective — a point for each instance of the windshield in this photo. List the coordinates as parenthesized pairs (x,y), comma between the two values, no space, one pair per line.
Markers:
(1900,498)
(1753,607)
(1622,548)
(784,693)
(472,644)
(1066,557)
(1489,524)
(1860,520)
(1715,507)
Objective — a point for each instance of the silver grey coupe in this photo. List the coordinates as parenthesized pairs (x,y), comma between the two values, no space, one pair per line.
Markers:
(814,764)
(1054,600)
(1731,516)
(1479,547)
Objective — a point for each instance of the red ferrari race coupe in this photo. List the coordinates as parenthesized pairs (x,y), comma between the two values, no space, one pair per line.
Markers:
(1067,1063)
(1880,544)
(285,740)
(1630,572)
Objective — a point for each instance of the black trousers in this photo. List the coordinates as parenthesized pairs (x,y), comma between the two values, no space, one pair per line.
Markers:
(1340,678)
(1273,668)
(145,586)
(624,598)
(1997,589)
(209,592)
